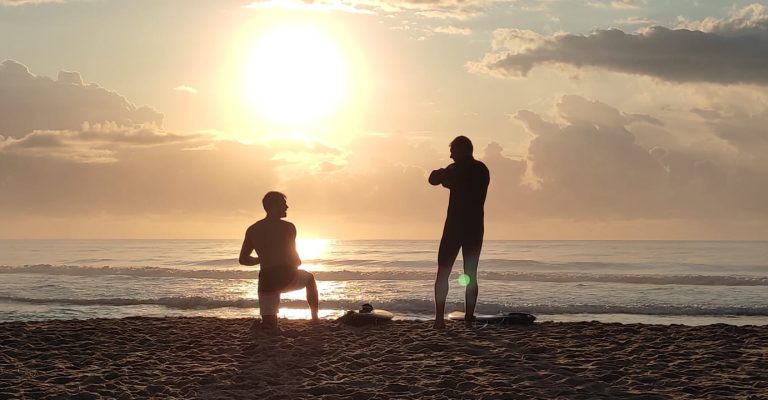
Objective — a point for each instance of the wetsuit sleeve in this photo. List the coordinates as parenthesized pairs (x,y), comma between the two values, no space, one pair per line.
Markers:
(436,177)
(442,176)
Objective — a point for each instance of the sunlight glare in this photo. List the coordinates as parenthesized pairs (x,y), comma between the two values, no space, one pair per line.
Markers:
(295,75)
(312,249)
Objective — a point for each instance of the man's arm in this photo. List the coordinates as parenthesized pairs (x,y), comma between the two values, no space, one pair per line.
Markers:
(442,176)
(245,253)
(294,254)
(436,177)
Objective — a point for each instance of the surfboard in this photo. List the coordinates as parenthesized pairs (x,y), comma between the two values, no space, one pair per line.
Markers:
(510,318)
(366,316)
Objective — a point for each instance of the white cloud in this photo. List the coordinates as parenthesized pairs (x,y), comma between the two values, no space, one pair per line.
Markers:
(434,9)
(27,2)
(752,18)
(618,4)
(636,21)
(452,30)
(185,89)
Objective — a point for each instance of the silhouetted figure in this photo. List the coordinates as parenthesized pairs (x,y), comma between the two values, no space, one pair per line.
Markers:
(468,181)
(274,241)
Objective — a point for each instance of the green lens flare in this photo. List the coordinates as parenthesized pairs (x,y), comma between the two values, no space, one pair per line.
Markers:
(464,279)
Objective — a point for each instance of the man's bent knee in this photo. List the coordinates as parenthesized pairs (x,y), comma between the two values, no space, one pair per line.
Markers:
(311,282)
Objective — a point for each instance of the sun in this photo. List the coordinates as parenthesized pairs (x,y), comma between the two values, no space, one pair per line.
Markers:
(295,76)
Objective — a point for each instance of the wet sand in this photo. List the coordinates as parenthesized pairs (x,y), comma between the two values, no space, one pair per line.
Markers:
(212,358)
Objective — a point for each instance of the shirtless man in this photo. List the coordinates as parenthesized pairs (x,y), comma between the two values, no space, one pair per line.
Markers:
(274,241)
(468,181)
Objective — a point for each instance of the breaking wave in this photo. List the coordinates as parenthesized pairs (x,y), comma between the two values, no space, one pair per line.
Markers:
(393,274)
(412,306)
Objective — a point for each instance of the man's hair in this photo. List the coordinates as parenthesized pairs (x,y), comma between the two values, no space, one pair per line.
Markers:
(462,143)
(271,199)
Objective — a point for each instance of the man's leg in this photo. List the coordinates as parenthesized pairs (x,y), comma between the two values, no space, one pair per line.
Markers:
(269,303)
(313,298)
(446,256)
(471,253)
(269,321)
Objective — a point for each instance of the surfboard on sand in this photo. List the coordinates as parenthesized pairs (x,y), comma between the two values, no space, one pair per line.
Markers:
(509,318)
(366,315)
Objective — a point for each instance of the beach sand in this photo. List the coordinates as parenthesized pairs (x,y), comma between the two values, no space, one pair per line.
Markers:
(213,358)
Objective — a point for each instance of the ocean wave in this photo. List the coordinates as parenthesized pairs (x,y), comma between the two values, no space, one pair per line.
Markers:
(345,275)
(410,306)
(224,262)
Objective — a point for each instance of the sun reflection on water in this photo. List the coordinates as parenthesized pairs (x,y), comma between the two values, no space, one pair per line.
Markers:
(309,250)
(328,290)
(312,249)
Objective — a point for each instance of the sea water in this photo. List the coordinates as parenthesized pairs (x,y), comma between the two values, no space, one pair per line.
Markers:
(614,281)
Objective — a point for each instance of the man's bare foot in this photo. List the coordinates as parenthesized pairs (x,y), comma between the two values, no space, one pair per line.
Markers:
(439,325)
(469,321)
(263,327)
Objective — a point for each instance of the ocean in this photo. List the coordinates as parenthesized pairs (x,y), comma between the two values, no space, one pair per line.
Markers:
(662,282)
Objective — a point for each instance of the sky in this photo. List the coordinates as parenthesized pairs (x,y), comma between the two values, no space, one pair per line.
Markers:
(598,119)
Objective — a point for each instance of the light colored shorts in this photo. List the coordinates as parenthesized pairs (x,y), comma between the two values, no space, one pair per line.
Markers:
(269,302)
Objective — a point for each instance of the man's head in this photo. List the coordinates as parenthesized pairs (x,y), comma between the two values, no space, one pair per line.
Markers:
(275,204)
(461,148)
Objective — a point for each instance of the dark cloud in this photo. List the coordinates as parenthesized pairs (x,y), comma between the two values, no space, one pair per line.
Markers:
(728,52)
(92,143)
(706,113)
(592,166)
(71,149)
(163,179)
(29,102)
(586,164)
(746,132)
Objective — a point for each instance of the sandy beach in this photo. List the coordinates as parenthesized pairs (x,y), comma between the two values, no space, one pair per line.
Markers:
(213,358)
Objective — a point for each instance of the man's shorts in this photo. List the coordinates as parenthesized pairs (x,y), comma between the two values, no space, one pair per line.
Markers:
(269,302)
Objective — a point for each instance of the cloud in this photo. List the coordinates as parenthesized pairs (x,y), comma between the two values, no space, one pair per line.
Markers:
(752,18)
(452,30)
(747,133)
(186,89)
(590,162)
(72,149)
(727,52)
(355,7)
(26,2)
(137,180)
(31,102)
(91,143)
(619,4)
(591,165)
(433,9)
(636,21)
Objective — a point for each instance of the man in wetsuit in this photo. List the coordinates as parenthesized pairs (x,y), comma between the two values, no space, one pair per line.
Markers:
(274,241)
(468,181)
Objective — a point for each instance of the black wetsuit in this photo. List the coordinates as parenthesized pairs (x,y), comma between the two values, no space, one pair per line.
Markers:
(468,181)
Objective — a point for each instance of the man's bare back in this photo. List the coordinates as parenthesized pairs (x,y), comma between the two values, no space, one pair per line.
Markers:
(274,241)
